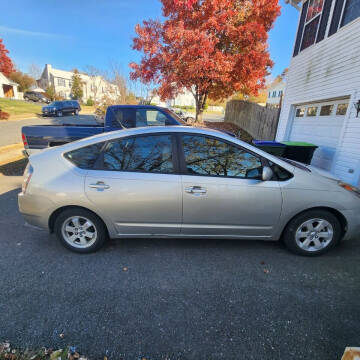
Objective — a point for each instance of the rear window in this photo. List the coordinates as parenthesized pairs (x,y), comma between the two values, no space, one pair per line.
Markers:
(85,158)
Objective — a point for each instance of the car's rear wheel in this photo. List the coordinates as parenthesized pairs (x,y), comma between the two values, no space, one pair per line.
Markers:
(312,233)
(80,230)
(59,113)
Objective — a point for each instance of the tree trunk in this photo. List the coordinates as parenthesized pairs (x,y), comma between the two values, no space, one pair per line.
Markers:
(200,101)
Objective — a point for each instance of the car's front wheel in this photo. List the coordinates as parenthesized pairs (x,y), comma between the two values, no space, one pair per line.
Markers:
(313,233)
(80,230)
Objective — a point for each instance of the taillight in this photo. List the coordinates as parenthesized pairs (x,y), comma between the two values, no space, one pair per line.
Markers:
(24,140)
(27,176)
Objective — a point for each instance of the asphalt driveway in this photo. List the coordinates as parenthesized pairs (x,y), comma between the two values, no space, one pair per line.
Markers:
(175,299)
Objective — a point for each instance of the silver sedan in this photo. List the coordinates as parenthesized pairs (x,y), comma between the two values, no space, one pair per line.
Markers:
(183,182)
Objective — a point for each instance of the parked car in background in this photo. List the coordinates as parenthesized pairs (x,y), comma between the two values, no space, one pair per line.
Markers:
(183,182)
(117,117)
(186,116)
(61,108)
(36,97)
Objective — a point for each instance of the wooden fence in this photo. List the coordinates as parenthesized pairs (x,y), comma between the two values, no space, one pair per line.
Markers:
(259,121)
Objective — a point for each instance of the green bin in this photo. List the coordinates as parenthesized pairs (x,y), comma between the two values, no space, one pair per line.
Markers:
(299,151)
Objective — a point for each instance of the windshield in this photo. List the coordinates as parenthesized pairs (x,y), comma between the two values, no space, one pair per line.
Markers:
(55,103)
(175,116)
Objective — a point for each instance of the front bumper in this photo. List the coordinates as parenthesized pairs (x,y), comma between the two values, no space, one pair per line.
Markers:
(48,112)
(353,224)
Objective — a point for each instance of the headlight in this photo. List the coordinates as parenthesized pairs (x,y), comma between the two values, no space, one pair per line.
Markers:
(348,187)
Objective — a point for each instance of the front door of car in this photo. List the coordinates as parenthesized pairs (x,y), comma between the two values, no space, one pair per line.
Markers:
(223,194)
(137,187)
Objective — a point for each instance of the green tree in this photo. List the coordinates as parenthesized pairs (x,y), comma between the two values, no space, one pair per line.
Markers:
(23,80)
(50,92)
(77,86)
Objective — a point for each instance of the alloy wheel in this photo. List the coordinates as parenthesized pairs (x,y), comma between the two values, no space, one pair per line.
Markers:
(79,232)
(314,235)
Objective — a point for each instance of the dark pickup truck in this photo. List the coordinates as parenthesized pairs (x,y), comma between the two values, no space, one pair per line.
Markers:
(38,137)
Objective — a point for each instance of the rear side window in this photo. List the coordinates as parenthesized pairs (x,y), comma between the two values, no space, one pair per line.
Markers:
(123,118)
(145,117)
(151,154)
(85,158)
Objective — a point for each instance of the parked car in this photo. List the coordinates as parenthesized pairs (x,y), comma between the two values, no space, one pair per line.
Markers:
(186,116)
(183,182)
(60,108)
(38,137)
(36,96)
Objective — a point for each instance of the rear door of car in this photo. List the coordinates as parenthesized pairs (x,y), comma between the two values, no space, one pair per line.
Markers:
(137,186)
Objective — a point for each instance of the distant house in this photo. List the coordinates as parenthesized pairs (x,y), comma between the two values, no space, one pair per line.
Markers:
(275,93)
(323,86)
(184,99)
(95,88)
(8,88)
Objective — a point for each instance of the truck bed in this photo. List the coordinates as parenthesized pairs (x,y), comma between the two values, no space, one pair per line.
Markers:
(43,136)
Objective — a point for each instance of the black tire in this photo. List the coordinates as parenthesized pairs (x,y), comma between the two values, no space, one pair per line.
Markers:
(82,213)
(289,236)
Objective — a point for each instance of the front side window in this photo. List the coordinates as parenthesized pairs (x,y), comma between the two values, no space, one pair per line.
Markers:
(151,154)
(213,157)
(85,157)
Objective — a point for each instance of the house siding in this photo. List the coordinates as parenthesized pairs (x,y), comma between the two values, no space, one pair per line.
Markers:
(328,70)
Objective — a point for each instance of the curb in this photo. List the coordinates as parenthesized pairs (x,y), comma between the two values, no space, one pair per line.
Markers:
(11,153)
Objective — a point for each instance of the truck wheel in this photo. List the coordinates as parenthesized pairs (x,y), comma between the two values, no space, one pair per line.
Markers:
(59,113)
(312,233)
(80,230)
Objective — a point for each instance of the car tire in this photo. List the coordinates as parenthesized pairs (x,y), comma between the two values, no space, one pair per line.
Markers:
(76,112)
(89,232)
(59,113)
(26,98)
(312,233)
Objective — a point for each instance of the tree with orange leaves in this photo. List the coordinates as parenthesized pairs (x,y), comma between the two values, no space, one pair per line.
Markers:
(212,48)
(6,65)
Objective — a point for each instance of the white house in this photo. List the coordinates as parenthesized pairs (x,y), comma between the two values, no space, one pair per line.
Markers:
(8,88)
(275,93)
(184,99)
(94,87)
(323,85)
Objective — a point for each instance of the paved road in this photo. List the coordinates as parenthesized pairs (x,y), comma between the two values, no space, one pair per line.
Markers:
(10,131)
(178,299)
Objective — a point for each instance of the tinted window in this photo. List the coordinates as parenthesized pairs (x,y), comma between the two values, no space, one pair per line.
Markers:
(143,153)
(310,33)
(280,173)
(209,156)
(85,157)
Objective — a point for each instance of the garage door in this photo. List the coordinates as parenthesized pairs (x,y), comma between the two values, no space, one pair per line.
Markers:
(320,124)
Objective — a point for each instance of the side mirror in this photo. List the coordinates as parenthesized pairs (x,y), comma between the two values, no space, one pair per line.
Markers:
(267,173)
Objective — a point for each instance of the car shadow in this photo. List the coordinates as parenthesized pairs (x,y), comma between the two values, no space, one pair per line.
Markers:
(15,168)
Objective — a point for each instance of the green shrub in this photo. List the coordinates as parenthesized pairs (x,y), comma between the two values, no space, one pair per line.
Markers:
(90,102)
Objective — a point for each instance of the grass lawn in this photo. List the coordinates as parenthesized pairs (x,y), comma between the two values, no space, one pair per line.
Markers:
(19,108)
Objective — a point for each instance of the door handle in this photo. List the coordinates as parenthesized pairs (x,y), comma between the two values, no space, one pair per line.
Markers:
(100,185)
(196,190)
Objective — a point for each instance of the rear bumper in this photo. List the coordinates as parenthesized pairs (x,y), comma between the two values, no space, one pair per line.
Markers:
(35,209)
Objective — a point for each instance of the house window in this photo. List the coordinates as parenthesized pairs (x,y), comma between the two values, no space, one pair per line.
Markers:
(274,94)
(326,110)
(311,111)
(61,82)
(351,11)
(70,84)
(300,112)
(341,109)
(312,22)
(280,93)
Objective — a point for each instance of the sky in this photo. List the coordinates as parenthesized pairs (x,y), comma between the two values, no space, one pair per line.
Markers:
(72,34)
